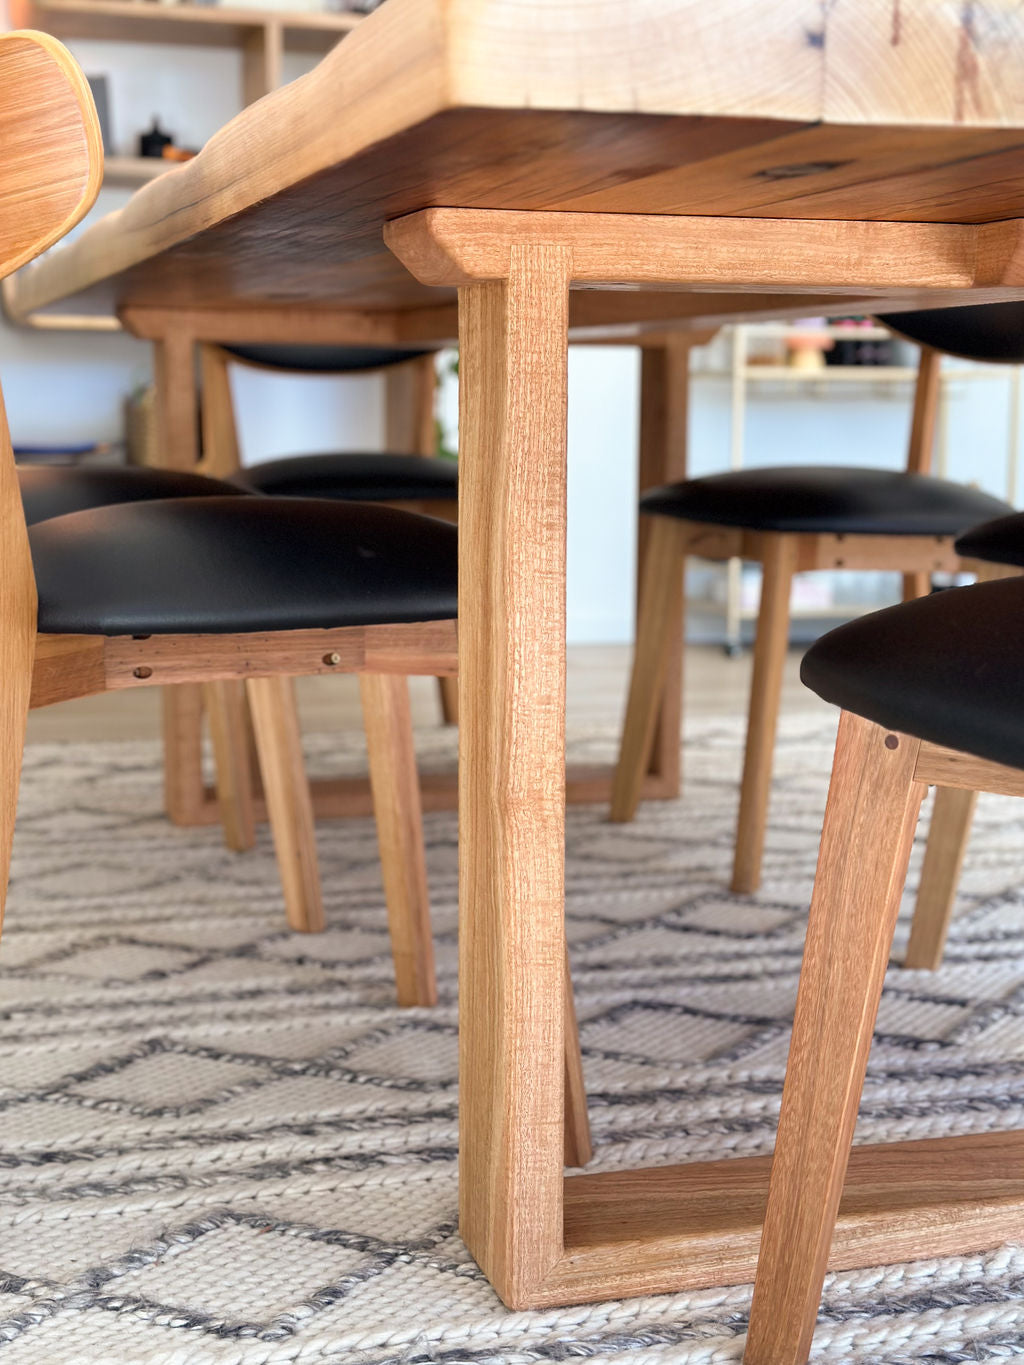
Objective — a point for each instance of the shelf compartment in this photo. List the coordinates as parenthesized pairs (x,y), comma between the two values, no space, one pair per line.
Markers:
(146,21)
(134,170)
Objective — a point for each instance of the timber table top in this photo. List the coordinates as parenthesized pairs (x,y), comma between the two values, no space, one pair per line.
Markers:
(896,110)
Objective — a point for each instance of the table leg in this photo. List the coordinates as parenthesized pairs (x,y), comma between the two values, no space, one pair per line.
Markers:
(664,403)
(514,340)
(540,1240)
(177,409)
(409,400)
(177,447)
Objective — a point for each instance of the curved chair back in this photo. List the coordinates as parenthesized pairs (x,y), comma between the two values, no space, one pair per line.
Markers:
(51,153)
(410,381)
(51,164)
(321,359)
(992,332)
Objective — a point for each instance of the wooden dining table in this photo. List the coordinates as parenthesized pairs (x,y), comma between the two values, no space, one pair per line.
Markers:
(516,174)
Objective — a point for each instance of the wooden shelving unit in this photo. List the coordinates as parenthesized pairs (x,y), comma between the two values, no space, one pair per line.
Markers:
(146,21)
(839,374)
(134,170)
(262,36)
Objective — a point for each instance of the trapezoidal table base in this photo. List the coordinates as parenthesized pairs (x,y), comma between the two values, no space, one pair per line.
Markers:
(664,1229)
(341,797)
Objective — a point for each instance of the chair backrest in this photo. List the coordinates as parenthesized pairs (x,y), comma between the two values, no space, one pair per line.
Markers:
(321,359)
(992,332)
(410,381)
(51,152)
(51,165)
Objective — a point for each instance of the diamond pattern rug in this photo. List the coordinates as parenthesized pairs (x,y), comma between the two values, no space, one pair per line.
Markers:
(222,1142)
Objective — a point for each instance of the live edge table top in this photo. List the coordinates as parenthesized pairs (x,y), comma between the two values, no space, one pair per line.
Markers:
(887,111)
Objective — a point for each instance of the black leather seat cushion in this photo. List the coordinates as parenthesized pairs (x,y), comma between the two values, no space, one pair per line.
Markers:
(221,565)
(53,491)
(355,478)
(833,498)
(946,668)
(992,332)
(999,542)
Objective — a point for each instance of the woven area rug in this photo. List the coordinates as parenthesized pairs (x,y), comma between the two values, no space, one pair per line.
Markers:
(223,1143)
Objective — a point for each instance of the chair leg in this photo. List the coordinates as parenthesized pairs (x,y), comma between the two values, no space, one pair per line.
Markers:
(943,858)
(872,810)
(183,767)
(229,733)
(448,690)
(661,605)
(396,799)
(289,804)
(948,835)
(578,1146)
(396,804)
(14,696)
(916,585)
(778,565)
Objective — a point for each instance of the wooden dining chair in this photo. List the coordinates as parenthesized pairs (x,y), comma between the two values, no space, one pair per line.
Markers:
(219,588)
(209,584)
(991,551)
(408,473)
(793,519)
(994,334)
(405,475)
(930,695)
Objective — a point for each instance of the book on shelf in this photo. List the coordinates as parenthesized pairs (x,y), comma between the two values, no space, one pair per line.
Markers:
(71,453)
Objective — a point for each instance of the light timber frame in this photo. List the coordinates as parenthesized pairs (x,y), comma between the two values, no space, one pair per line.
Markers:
(65,667)
(179,335)
(948,837)
(543,1238)
(409,409)
(183,346)
(781,556)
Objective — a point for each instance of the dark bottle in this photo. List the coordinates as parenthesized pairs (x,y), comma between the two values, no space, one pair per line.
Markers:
(153,142)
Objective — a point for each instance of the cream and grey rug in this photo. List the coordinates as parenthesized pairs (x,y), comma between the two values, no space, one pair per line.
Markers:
(222,1143)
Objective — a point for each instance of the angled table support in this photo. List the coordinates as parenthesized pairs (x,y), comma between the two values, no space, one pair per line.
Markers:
(541,1238)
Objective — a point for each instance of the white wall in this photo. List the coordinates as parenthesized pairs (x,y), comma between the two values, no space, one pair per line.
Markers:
(604,397)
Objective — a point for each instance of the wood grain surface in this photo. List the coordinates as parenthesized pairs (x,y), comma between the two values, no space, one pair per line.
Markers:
(768,109)
(51,152)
